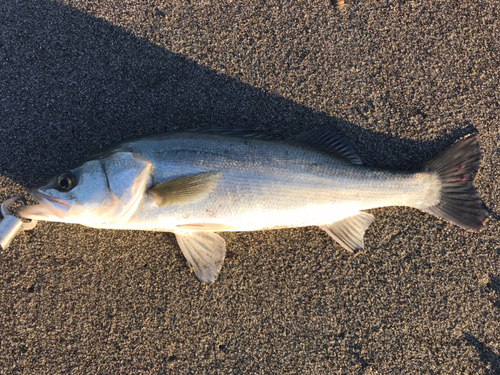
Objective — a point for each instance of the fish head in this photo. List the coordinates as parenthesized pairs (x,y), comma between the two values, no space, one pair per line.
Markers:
(102,192)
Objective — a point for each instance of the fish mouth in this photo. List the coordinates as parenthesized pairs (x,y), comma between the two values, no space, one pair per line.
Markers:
(48,208)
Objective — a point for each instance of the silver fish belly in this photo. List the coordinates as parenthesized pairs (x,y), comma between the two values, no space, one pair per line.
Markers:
(197,183)
(263,187)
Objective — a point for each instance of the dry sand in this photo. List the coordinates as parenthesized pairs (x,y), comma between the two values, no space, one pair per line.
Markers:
(402,79)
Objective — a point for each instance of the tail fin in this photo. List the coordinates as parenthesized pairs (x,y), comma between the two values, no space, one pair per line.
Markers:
(456,167)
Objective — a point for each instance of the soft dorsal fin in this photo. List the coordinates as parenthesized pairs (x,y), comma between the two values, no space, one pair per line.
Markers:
(329,140)
(349,232)
(234,132)
(204,251)
(184,189)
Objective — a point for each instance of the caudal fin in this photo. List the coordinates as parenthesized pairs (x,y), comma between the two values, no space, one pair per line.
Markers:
(456,167)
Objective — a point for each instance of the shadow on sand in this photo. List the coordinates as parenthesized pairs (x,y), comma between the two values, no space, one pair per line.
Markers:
(487,356)
(74,83)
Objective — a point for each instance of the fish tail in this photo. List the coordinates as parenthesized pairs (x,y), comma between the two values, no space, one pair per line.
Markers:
(456,167)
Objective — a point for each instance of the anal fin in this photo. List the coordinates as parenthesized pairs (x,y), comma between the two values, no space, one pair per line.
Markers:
(204,251)
(349,232)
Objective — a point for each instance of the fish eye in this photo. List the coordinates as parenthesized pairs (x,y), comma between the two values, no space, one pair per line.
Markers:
(66,181)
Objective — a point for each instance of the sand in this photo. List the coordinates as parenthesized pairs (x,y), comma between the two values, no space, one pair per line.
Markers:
(402,79)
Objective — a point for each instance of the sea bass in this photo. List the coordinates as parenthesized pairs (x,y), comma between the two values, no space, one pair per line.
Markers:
(197,183)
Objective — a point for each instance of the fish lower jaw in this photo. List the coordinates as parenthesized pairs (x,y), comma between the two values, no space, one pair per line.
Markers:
(37,212)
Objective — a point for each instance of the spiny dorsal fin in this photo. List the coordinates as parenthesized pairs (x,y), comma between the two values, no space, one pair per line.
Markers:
(329,140)
(204,251)
(184,189)
(349,232)
(234,132)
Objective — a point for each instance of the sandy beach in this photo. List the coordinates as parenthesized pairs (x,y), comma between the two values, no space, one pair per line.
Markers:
(402,79)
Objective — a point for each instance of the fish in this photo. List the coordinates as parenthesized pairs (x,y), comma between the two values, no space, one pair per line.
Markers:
(197,183)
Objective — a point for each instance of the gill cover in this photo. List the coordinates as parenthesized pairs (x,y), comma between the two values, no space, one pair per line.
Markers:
(105,192)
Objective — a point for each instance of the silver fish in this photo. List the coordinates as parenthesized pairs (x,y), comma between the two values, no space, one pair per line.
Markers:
(197,183)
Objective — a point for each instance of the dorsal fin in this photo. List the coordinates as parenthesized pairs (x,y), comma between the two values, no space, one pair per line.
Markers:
(234,132)
(329,140)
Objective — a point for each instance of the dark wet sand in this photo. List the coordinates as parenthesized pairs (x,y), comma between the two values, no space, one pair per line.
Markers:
(402,79)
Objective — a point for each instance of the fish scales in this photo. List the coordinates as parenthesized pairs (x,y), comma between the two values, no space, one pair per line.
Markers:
(268,185)
(198,183)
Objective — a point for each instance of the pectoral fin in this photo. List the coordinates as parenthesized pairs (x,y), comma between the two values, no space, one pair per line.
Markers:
(349,232)
(204,251)
(184,189)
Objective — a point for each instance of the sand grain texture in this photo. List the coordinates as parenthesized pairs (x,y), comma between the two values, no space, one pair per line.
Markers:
(402,79)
